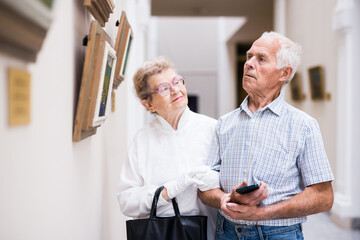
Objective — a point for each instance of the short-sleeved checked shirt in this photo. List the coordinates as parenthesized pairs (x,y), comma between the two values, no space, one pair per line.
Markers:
(279,145)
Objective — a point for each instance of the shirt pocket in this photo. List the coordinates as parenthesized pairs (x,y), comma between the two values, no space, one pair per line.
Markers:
(270,166)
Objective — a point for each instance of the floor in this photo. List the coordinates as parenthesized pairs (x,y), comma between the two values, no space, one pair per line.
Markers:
(320,227)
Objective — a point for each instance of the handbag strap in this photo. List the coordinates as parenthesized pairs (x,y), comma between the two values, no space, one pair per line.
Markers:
(155,201)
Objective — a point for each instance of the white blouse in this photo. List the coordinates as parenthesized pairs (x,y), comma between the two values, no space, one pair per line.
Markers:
(159,154)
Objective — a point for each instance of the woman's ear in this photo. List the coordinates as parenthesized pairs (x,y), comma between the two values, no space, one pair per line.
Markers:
(286,73)
(148,105)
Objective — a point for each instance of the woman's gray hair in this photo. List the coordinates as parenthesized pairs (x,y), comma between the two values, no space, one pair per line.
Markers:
(289,53)
(146,71)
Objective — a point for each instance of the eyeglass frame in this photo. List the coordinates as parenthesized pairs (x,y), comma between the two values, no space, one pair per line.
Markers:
(171,85)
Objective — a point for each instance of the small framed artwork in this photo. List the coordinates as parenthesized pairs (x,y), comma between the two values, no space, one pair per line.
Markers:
(123,43)
(23,28)
(100,9)
(296,88)
(317,88)
(103,98)
(96,75)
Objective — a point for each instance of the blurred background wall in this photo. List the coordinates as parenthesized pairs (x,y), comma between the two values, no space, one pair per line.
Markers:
(52,187)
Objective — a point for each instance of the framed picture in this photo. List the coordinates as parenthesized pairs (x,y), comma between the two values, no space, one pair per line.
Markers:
(98,50)
(123,43)
(100,9)
(317,88)
(103,98)
(296,88)
(23,28)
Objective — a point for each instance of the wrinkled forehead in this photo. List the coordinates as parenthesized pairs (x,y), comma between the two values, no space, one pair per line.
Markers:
(166,75)
(265,45)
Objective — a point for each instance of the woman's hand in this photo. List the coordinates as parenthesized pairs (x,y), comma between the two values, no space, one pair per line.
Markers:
(189,178)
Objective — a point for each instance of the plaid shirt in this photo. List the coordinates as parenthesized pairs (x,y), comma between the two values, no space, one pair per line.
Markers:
(278,144)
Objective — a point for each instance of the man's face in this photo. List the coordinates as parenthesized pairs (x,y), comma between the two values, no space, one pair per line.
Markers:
(260,73)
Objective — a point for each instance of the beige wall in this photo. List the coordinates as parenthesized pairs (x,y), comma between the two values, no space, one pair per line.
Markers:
(309,22)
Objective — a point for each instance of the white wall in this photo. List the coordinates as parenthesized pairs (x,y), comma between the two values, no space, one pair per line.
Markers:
(199,48)
(319,45)
(190,43)
(345,23)
(51,187)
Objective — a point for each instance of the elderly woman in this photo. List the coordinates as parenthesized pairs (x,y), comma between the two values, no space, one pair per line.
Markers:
(169,151)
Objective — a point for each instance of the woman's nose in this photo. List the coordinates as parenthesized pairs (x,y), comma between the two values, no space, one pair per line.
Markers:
(174,89)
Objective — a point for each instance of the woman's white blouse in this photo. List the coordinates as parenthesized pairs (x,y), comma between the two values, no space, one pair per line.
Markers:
(159,154)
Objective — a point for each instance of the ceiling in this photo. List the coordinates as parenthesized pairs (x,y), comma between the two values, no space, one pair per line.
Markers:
(259,13)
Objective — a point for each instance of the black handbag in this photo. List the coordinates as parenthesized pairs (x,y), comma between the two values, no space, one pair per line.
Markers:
(177,227)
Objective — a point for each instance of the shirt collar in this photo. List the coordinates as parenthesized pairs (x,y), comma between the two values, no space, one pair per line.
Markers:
(275,106)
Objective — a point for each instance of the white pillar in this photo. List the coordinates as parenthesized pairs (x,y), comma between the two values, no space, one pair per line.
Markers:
(280,16)
(346,209)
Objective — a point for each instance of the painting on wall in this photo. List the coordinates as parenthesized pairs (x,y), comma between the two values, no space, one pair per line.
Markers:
(103,98)
(96,83)
(23,28)
(123,43)
(296,88)
(316,77)
(100,9)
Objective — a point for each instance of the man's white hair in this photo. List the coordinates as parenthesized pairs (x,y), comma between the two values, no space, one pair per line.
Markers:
(289,53)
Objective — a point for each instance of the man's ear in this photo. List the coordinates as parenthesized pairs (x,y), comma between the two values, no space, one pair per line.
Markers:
(286,73)
(148,105)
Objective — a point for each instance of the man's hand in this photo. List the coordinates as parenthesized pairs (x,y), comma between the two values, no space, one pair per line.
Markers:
(314,199)
(252,198)
(239,211)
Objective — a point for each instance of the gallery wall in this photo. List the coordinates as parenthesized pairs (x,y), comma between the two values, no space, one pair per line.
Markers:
(319,45)
(50,186)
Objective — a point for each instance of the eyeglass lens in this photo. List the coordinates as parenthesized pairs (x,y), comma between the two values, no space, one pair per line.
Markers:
(164,88)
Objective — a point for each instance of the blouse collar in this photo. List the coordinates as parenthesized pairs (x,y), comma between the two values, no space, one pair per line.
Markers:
(184,119)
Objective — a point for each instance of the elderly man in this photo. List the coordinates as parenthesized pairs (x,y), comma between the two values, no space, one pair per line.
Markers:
(270,143)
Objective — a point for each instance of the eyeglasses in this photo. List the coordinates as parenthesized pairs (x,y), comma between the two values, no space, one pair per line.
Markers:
(164,88)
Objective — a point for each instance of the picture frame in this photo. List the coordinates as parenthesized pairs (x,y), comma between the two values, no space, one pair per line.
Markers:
(297,93)
(23,28)
(103,98)
(100,9)
(97,43)
(317,86)
(123,44)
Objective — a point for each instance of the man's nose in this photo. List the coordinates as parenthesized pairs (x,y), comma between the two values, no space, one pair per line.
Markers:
(249,63)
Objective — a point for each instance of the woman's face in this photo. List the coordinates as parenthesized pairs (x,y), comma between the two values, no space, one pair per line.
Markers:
(172,104)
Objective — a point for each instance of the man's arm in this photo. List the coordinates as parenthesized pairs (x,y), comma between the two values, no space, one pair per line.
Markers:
(314,199)
(212,197)
(215,197)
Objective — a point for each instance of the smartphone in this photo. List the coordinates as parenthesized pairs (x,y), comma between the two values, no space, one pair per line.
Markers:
(247,189)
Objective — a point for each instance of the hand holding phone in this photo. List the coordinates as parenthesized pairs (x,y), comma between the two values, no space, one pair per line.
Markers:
(248,189)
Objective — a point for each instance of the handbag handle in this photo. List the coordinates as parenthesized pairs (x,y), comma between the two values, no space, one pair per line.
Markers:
(155,202)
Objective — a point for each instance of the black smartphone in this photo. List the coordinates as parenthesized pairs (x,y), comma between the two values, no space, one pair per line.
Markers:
(247,189)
